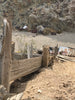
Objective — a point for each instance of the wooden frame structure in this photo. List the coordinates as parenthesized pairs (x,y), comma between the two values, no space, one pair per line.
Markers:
(14,69)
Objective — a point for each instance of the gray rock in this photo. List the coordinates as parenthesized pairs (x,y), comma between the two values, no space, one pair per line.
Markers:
(40,29)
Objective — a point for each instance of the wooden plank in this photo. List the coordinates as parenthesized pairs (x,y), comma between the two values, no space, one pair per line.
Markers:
(72,59)
(6,53)
(24,62)
(17,75)
(0,69)
(24,67)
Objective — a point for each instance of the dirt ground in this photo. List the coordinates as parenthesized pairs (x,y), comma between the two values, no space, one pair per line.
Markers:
(53,84)
(23,38)
(56,83)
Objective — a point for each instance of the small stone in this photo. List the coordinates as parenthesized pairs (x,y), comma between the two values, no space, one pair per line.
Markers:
(39,91)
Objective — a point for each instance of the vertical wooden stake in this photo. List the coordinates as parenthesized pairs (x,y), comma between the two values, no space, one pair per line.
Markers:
(6,55)
(31,51)
(46,56)
(28,52)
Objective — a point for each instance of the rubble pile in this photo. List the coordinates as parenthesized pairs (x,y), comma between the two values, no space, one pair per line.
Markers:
(53,14)
(15,10)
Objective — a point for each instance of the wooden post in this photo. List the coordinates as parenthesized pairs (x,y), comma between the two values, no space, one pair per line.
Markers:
(6,54)
(46,56)
(56,51)
(28,52)
(12,49)
(31,51)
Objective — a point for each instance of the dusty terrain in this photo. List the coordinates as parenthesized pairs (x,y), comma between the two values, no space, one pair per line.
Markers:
(63,39)
(49,84)
(57,83)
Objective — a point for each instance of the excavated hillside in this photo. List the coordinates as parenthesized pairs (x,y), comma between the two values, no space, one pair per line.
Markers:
(54,14)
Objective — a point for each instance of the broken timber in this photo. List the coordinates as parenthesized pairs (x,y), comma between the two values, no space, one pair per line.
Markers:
(24,67)
(6,53)
(47,57)
(13,69)
(66,58)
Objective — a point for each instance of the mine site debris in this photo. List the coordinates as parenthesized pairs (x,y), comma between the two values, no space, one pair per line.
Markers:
(13,67)
(67,51)
(60,14)
(45,18)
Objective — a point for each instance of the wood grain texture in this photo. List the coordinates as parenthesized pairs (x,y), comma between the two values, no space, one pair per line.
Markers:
(24,67)
(46,56)
(6,55)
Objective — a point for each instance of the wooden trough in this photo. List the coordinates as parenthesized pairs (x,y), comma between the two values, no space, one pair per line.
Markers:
(24,67)
(13,69)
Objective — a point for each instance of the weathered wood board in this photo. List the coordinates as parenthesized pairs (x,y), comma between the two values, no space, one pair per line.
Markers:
(6,53)
(0,70)
(24,67)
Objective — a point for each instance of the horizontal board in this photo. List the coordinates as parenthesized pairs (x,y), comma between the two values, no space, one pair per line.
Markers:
(24,67)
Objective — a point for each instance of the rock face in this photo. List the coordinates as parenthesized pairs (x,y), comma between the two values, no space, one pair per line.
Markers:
(48,13)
